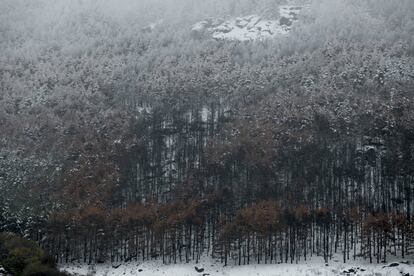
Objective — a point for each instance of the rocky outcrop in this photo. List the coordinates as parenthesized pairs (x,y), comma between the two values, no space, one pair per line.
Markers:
(251,27)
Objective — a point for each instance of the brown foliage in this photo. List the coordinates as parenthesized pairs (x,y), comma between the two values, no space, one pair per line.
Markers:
(322,215)
(378,223)
(262,217)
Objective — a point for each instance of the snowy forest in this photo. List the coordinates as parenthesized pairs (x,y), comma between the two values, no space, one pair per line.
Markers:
(130,133)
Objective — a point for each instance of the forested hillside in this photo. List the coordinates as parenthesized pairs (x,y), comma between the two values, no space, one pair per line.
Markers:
(124,137)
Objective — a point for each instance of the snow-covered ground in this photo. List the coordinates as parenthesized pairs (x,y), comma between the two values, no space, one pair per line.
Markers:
(211,268)
(251,27)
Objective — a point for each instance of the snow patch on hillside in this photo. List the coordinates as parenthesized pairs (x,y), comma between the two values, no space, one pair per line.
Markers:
(151,27)
(251,27)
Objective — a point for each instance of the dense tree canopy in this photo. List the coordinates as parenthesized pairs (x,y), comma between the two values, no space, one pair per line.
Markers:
(118,143)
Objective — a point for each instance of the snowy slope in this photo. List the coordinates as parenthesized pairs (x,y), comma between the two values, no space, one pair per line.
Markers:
(252,27)
(211,268)
(150,27)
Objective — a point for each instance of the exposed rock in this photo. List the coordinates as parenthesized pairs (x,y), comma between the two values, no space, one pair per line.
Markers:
(251,27)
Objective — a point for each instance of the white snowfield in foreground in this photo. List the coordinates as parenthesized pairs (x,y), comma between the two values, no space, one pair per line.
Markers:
(212,268)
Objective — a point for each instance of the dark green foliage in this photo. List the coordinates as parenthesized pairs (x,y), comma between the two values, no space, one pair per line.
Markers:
(19,256)
(39,269)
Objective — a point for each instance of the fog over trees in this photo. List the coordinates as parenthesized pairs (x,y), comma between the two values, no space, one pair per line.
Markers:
(125,137)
